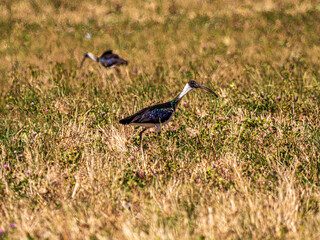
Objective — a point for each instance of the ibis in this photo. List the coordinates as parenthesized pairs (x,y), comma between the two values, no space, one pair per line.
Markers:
(160,114)
(107,59)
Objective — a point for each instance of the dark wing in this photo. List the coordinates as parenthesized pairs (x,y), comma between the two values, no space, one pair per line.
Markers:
(155,114)
(111,62)
(108,54)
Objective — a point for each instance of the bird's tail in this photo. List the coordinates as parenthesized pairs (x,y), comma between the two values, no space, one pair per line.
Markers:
(126,120)
(125,62)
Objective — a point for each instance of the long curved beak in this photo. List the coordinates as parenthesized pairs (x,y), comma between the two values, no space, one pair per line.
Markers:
(208,89)
(84,58)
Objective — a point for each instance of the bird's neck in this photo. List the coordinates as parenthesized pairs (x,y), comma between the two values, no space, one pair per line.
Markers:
(176,101)
(90,55)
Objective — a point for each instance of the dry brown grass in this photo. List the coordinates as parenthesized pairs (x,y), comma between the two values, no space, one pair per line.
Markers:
(244,166)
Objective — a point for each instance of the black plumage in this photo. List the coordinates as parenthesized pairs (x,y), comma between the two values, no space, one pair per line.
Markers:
(107,59)
(160,114)
(152,115)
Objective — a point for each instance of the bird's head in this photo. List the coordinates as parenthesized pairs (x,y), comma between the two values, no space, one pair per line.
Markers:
(88,55)
(193,85)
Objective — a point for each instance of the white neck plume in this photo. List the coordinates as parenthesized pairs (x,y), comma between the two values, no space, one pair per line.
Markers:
(90,55)
(186,89)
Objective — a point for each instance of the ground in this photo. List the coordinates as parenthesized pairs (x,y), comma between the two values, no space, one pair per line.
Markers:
(241,166)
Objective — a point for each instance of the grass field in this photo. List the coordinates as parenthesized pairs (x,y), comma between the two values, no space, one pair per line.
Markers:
(241,166)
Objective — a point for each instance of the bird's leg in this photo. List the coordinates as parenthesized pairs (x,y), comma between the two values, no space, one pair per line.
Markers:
(140,134)
(159,128)
(158,131)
